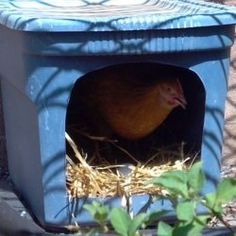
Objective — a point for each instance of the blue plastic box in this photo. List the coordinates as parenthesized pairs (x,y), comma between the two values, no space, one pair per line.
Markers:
(46,46)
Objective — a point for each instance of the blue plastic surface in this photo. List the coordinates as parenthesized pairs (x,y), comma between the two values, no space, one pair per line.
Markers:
(46,46)
(113,15)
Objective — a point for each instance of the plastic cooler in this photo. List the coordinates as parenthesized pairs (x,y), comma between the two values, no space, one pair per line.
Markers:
(46,46)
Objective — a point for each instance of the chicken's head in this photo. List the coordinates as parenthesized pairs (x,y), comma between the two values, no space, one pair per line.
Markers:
(171,93)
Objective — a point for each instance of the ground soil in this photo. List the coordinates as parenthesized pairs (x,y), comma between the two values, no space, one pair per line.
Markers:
(229,148)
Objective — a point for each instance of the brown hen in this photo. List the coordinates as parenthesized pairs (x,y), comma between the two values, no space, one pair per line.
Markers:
(129,101)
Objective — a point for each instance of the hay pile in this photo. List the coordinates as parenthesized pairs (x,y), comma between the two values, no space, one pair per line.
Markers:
(84,180)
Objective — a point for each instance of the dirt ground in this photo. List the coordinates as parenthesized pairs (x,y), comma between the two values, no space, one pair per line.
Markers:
(229,149)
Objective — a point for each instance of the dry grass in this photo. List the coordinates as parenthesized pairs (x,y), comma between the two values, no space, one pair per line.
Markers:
(84,180)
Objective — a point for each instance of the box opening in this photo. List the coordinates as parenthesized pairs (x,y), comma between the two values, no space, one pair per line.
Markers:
(130,92)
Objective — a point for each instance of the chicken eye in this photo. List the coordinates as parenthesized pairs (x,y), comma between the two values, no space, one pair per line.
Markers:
(168,89)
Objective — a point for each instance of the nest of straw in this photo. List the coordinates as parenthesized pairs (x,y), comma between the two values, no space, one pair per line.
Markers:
(84,180)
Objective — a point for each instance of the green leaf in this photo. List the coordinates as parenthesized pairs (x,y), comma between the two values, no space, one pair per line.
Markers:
(193,228)
(175,182)
(185,211)
(212,203)
(196,178)
(210,199)
(102,214)
(226,190)
(98,211)
(164,229)
(136,223)
(203,219)
(120,221)
(90,208)
(188,229)
(155,216)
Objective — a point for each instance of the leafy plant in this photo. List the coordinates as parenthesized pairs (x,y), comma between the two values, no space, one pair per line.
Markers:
(124,224)
(183,190)
(99,213)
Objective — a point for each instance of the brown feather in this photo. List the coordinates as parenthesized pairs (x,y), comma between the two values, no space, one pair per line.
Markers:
(127,104)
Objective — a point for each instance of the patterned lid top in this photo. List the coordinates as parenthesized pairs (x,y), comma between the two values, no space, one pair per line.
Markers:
(112,15)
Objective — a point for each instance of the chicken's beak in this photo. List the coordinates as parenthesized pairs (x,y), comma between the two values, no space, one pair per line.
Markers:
(181,101)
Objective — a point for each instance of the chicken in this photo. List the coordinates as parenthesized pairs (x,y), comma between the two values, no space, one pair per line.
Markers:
(129,101)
